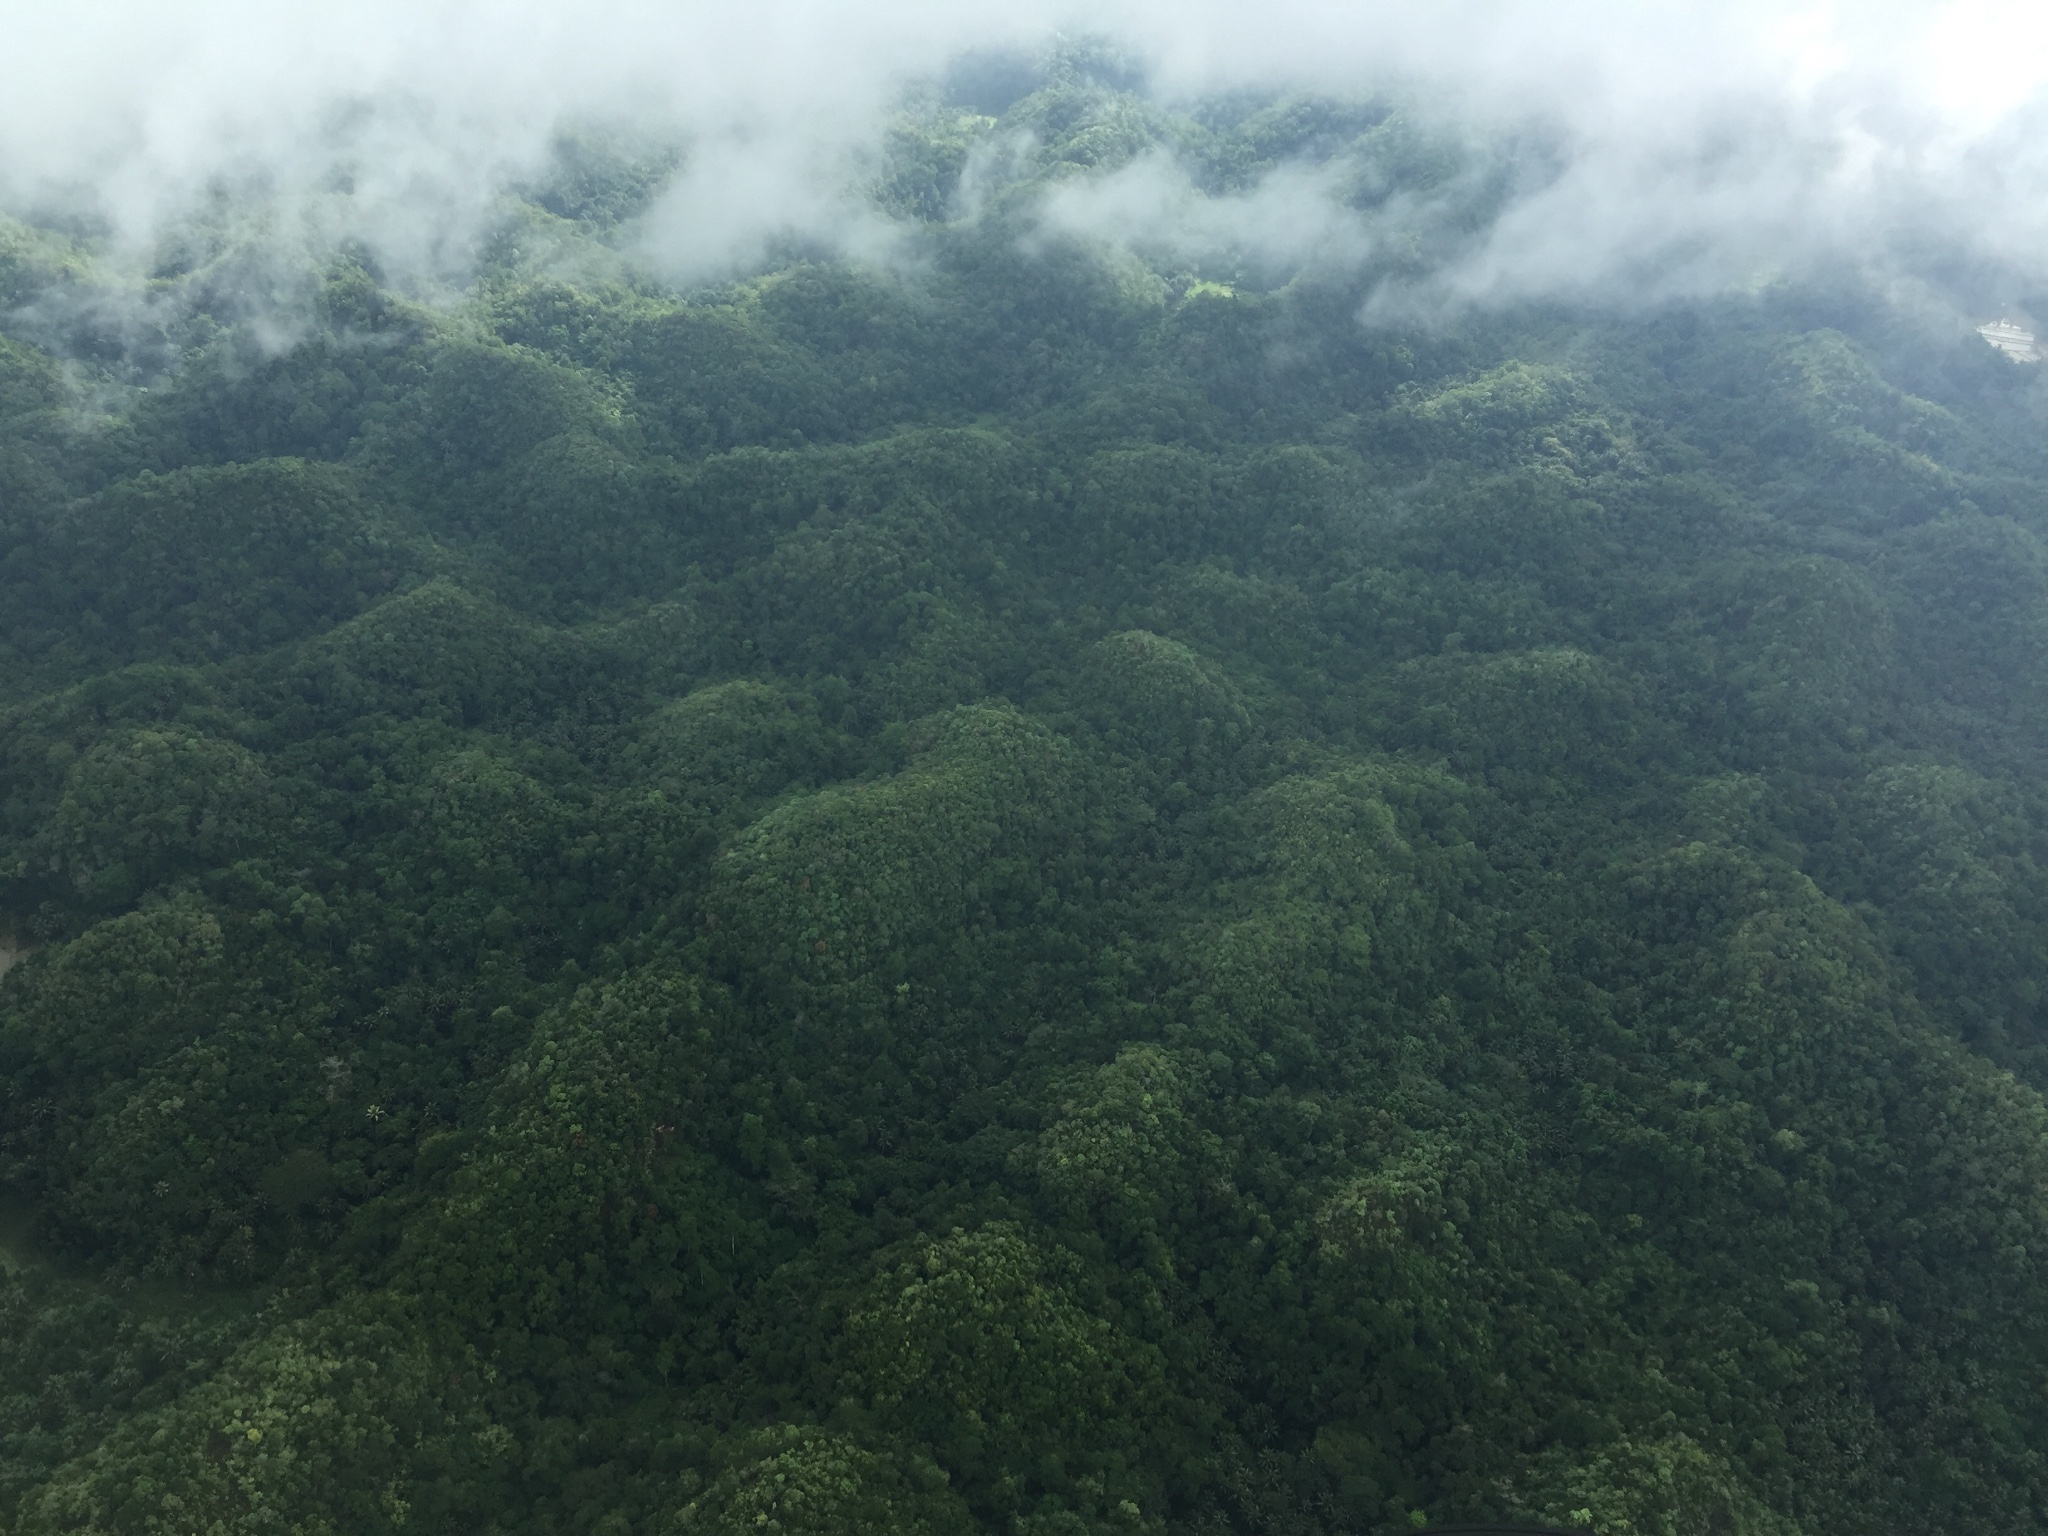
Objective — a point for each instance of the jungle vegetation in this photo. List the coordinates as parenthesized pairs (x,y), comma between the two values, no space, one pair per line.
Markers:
(1038,893)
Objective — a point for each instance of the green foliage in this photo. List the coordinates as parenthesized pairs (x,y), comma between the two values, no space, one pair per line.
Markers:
(316,1428)
(926,156)
(29,380)
(807,1482)
(75,1362)
(734,744)
(579,1209)
(1032,894)
(603,179)
(1985,578)
(1664,1488)
(139,808)
(438,652)
(1155,699)
(1128,1142)
(1560,712)
(200,564)
(866,884)
(32,259)
(1527,415)
(183,1111)
(973,1346)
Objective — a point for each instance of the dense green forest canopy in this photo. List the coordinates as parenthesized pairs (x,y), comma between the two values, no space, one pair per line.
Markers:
(1032,891)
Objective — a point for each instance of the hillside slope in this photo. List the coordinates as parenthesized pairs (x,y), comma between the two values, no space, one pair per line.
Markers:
(1034,894)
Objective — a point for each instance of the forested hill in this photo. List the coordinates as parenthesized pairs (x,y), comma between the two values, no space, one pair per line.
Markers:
(1019,891)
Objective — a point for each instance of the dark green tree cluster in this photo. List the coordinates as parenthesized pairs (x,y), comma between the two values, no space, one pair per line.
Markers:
(1049,896)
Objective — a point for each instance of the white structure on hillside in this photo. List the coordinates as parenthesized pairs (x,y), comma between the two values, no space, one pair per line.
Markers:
(2014,341)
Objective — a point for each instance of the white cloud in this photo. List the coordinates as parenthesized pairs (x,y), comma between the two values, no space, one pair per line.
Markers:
(1700,144)
(1291,220)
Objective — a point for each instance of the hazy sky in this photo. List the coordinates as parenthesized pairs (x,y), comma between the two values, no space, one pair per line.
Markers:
(1702,145)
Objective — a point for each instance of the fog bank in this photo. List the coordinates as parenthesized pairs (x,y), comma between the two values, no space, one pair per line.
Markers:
(1651,150)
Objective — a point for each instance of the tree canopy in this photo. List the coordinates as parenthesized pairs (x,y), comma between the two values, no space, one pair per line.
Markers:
(1034,894)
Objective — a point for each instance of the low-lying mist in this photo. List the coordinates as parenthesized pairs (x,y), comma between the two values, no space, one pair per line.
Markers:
(1453,154)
